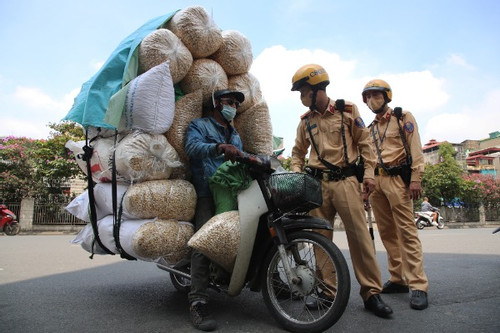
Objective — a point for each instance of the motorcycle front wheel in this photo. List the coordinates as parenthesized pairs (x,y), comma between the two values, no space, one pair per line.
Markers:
(440,224)
(312,257)
(11,229)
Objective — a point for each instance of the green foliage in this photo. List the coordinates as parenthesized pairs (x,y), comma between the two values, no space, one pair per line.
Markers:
(443,181)
(482,188)
(37,168)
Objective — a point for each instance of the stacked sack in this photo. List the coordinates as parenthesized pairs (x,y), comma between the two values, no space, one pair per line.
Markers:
(191,57)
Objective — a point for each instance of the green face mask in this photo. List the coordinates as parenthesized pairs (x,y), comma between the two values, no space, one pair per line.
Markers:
(228,112)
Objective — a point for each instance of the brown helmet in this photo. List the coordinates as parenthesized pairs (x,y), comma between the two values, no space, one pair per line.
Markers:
(378,85)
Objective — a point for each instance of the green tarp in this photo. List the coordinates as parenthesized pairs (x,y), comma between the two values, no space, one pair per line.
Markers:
(89,108)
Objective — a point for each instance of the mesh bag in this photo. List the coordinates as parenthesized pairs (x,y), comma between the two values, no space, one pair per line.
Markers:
(299,192)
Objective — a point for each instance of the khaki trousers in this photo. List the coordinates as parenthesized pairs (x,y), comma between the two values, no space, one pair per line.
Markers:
(344,197)
(393,211)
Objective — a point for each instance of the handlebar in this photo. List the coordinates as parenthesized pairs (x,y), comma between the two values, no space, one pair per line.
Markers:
(261,162)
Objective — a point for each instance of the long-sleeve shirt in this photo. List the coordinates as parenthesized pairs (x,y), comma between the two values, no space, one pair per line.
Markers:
(202,137)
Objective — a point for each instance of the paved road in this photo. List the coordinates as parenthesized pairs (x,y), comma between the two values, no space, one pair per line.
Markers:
(50,285)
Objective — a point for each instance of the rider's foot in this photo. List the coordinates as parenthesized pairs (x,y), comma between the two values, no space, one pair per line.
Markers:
(418,300)
(322,301)
(434,223)
(200,316)
(394,288)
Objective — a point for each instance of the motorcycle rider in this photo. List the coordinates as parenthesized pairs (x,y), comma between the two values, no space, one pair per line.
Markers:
(427,207)
(396,142)
(341,189)
(209,142)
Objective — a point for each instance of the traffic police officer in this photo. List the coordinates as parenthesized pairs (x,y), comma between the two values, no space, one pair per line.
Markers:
(399,170)
(336,137)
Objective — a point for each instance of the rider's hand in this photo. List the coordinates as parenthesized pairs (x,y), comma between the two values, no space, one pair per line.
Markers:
(230,152)
(415,190)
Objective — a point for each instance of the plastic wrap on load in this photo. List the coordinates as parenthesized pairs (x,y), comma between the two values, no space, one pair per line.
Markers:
(162,45)
(142,156)
(150,102)
(255,129)
(207,75)
(197,30)
(79,206)
(187,108)
(249,86)
(105,226)
(235,53)
(166,199)
(101,160)
(163,238)
(219,239)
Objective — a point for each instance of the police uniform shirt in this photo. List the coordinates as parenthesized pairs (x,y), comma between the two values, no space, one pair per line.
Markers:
(327,134)
(392,151)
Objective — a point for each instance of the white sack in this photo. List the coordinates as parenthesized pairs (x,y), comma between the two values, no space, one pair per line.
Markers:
(150,102)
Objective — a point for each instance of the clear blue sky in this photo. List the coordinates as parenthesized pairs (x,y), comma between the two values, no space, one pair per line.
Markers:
(441,57)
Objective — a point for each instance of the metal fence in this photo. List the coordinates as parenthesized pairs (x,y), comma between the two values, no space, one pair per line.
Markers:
(49,214)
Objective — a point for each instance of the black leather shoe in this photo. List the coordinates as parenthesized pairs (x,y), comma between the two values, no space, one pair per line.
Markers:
(418,300)
(394,288)
(321,302)
(376,305)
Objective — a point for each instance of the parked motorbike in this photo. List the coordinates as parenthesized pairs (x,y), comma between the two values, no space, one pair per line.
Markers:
(8,222)
(278,250)
(424,219)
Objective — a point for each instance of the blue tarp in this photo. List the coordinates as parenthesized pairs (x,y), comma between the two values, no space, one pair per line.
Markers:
(121,67)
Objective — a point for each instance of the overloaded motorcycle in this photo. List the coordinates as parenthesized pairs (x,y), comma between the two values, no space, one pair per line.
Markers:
(8,222)
(278,250)
(424,219)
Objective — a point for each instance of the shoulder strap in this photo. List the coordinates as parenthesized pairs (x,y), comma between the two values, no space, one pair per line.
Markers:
(322,160)
(372,132)
(340,105)
(398,112)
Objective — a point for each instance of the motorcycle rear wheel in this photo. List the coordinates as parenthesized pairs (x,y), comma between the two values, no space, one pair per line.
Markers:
(180,283)
(289,309)
(11,229)
(420,224)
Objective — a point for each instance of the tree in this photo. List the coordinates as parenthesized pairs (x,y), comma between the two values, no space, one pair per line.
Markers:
(443,181)
(38,168)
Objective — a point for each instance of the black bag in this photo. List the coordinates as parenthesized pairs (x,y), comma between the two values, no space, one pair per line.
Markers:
(360,169)
(406,174)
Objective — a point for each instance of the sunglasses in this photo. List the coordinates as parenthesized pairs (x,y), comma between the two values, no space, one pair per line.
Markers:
(230,101)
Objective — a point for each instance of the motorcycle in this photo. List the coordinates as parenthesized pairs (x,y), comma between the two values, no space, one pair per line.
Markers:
(278,250)
(424,219)
(8,221)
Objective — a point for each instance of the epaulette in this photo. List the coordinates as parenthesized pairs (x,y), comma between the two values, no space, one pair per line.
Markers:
(305,114)
(348,108)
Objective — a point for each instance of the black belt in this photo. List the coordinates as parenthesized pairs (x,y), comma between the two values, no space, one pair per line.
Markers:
(331,174)
(391,171)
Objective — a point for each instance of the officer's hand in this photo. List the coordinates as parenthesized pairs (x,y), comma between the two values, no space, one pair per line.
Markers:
(368,186)
(230,152)
(415,190)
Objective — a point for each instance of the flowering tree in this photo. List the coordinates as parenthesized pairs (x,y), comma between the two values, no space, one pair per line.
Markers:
(482,188)
(37,168)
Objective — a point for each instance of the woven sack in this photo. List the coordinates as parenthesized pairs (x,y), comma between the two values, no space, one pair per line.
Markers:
(150,102)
